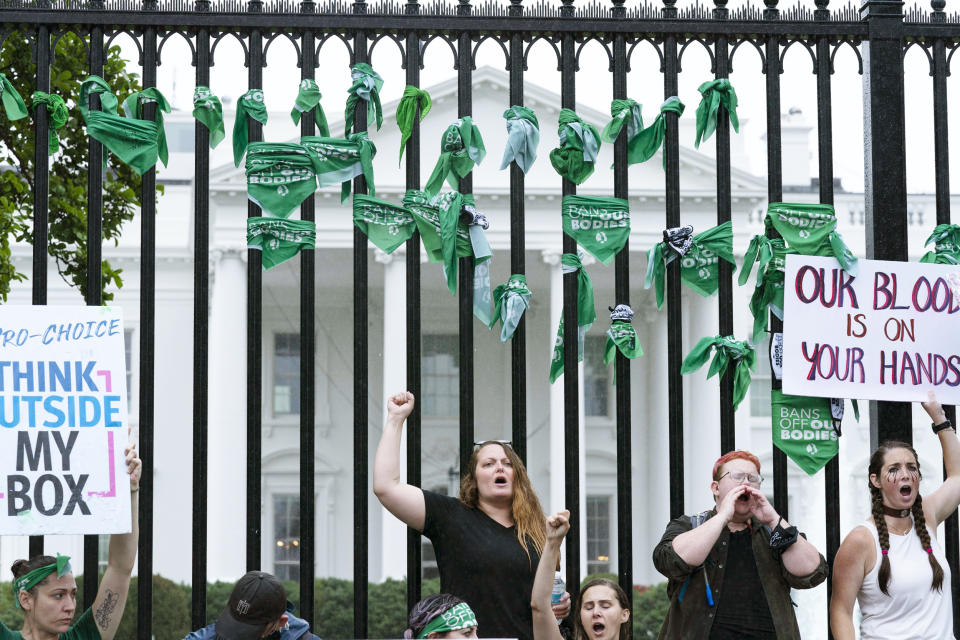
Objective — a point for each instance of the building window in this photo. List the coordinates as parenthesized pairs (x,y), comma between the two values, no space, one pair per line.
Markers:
(103,552)
(598,534)
(286,374)
(441,376)
(286,534)
(128,358)
(596,378)
(760,382)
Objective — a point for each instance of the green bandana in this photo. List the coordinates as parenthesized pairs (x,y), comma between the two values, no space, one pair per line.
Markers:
(133,108)
(599,225)
(625,112)
(280,176)
(810,229)
(208,110)
(651,138)
(947,247)
(768,295)
(339,160)
(804,429)
(460,148)
(621,336)
(250,105)
(57,115)
(699,258)
(385,224)
(727,350)
(309,98)
(12,102)
(759,252)
(366,86)
(279,239)
(715,93)
(586,313)
(459,616)
(574,159)
(134,141)
(26,582)
(510,300)
(523,136)
(413,99)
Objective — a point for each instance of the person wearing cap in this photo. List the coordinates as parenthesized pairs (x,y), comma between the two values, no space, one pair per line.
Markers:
(257,608)
(46,590)
(441,616)
(731,568)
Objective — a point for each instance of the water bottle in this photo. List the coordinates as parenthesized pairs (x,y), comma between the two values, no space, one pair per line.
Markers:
(558,590)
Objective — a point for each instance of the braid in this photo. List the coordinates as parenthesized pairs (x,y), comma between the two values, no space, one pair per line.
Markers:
(883,576)
(920,523)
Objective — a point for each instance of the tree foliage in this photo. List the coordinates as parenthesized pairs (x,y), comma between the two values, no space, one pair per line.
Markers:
(67,169)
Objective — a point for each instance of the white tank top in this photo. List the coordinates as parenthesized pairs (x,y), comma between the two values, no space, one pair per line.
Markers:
(912,611)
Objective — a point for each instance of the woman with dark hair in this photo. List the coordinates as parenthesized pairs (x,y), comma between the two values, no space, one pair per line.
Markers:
(603,607)
(46,591)
(893,564)
(487,541)
(442,615)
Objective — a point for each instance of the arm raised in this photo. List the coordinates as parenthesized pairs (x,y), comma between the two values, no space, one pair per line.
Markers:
(545,625)
(399,498)
(941,503)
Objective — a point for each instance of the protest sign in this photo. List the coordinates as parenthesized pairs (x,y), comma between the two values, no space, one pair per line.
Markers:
(63,416)
(890,333)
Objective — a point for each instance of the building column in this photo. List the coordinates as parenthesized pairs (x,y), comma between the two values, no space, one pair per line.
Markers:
(654,454)
(701,436)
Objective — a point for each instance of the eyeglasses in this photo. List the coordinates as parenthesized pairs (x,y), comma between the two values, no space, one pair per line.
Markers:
(739,476)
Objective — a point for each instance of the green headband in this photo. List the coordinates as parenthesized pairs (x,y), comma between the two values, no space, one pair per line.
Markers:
(25,583)
(456,617)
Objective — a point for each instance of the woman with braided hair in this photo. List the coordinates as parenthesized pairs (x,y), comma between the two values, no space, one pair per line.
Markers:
(893,564)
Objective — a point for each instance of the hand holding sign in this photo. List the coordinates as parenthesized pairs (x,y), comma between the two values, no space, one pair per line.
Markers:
(134,465)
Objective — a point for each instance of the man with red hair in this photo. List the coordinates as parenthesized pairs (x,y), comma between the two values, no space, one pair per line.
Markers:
(731,568)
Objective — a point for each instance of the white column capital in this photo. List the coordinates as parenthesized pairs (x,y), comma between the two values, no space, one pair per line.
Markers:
(550,257)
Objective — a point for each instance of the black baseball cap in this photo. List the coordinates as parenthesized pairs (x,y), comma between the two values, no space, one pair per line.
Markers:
(257,600)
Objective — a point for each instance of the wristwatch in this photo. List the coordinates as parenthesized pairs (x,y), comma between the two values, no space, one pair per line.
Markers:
(946,424)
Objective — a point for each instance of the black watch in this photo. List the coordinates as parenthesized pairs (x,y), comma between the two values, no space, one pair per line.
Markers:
(946,424)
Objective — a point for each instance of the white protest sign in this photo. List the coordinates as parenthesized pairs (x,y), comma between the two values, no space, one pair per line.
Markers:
(891,333)
(63,421)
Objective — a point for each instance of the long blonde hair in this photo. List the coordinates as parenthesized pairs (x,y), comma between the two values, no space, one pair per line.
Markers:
(528,516)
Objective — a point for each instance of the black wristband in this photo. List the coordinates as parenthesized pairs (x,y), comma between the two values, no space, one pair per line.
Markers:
(946,424)
(781,539)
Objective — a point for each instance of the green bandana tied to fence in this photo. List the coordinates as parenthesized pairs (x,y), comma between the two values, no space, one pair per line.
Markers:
(715,93)
(134,141)
(459,616)
(460,148)
(650,139)
(279,239)
(510,300)
(57,115)
(385,224)
(947,247)
(280,176)
(727,350)
(621,336)
(586,313)
(12,102)
(250,104)
(412,100)
(523,137)
(308,97)
(208,110)
(576,156)
(626,112)
(450,228)
(804,429)
(699,257)
(768,294)
(60,566)
(599,225)
(133,108)
(366,86)
(339,160)
(811,230)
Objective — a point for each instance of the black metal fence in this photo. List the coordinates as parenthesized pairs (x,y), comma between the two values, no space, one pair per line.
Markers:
(880,32)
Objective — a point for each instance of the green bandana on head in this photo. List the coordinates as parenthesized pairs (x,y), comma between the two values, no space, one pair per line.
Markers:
(650,139)
(459,616)
(510,300)
(208,110)
(586,312)
(576,156)
(366,86)
(12,102)
(625,113)
(385,224)
(727,350)
(57,115)
(339,160)
(810,229)
(460,148)
(699,257)
(523,136)
(251,105)
(804,429)
(599,225)
(279,239)
(947,247)
(134,141)
(715,93)
(308,98)
(133,108)
(768,295)
(412,100)
(621,336)
(280,176)
(28,581)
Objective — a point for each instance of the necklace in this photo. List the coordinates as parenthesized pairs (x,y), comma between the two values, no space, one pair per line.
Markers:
(897,531)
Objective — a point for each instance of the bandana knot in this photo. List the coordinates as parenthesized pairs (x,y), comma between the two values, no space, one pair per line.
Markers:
(470,216)
(621,312)
(679,238)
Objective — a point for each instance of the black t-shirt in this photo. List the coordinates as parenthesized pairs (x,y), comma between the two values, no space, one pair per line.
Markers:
(742,609)
(484,564)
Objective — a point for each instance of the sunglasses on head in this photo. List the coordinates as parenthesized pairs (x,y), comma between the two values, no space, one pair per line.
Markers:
(506,443)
